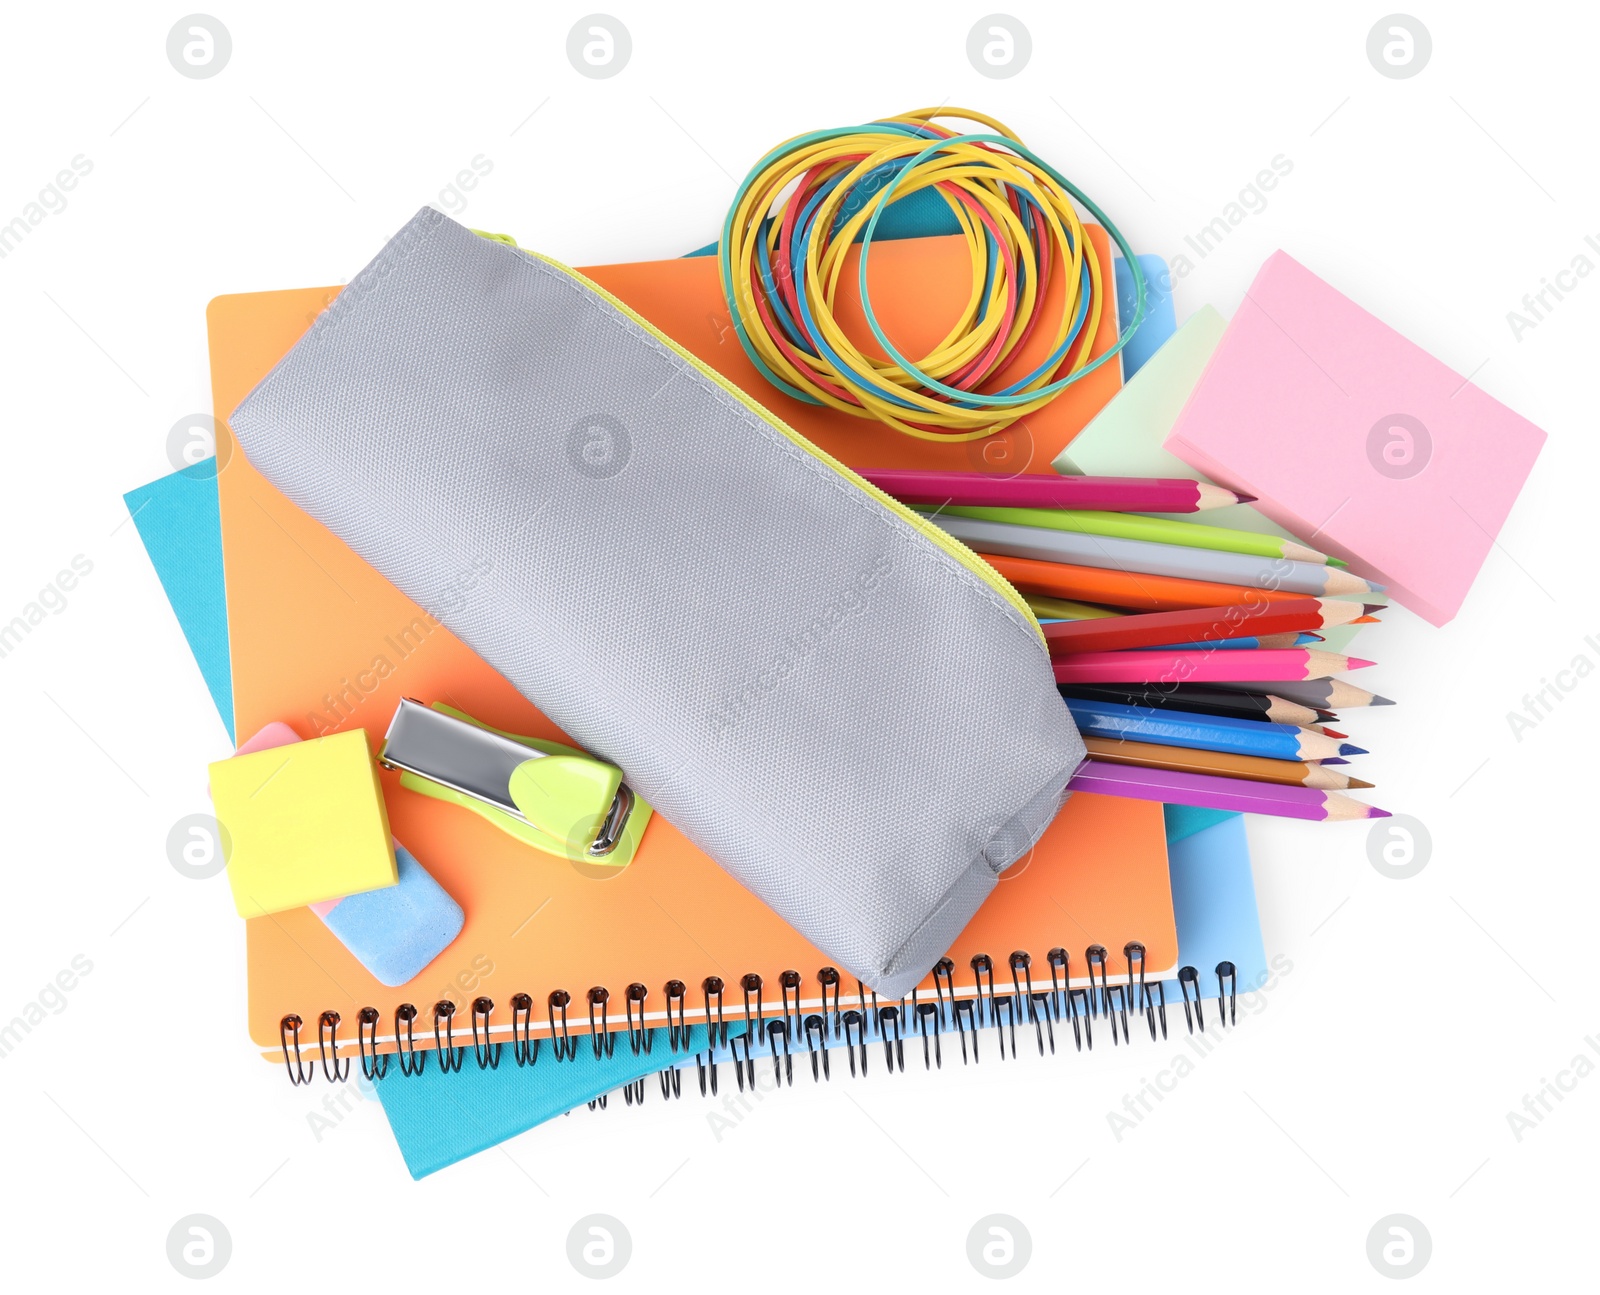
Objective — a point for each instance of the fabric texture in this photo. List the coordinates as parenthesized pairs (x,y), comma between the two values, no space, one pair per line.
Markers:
(836,709)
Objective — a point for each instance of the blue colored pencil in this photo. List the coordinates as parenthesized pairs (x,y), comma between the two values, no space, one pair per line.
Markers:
(1204,732)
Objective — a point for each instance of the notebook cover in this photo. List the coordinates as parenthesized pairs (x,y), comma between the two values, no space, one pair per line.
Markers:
(180,524)
(1160,318)
(1356,440)
(1214,905)
(321,641)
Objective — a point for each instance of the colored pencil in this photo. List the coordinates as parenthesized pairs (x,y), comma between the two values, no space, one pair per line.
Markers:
(1159,530)
(1204,666)
(1125,588)
(1106,634)
(1197,699)
(1228,645)
(1320,694)
(1207,791)
(1310,578)
(1063,609)
(1047,490)
(1288,773)
(1204,732)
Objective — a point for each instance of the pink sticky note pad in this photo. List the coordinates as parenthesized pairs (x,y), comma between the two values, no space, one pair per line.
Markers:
(1356,440)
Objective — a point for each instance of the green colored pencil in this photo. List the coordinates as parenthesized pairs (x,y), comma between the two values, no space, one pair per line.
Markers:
(1064,609)
(1158,530)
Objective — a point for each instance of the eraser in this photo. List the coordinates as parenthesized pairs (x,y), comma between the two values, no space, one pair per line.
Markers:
(303,823)
(395,931)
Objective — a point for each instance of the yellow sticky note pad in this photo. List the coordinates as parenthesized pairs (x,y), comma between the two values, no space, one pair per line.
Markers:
(303,823)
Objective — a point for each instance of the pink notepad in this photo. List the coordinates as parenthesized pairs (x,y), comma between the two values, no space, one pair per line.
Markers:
(1356,440)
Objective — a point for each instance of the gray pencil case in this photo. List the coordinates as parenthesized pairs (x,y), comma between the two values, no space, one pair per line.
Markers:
(844,707)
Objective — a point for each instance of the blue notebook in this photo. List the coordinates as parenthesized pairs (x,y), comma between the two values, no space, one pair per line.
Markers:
(180,521)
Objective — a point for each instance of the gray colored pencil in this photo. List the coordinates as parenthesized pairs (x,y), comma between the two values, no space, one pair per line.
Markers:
(1319,694)
(1115,554)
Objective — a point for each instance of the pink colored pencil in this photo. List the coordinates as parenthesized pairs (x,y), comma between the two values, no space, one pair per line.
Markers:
(1202,666)
(1208,791)
(1047,490)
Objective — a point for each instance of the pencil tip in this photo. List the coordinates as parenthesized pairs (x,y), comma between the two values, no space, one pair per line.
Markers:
(1369,608)
(1349,749)
(1380,701)
(1358,663)
(1374,812)
(1328,732)
(1244,499)
(1360,783)
(1333,760)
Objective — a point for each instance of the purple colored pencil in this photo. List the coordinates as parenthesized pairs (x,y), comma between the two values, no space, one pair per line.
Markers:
(1208,791)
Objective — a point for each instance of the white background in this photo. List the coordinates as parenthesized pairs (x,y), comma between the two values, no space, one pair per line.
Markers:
(1375,1078)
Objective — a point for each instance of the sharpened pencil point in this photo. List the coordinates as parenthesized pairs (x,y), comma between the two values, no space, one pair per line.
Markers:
(1374,812)
(1366,620)
(1369,608)
(1380,701)
(1358,784)
(1346,748)
(1328,732)
(1333,760)
(1244,499)
(1358,663)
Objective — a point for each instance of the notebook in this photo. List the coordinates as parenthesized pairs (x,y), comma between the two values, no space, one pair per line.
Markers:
(439,1118)
(1356,439)
(437,1121)
(1160,318)
(180,523)
(322,642)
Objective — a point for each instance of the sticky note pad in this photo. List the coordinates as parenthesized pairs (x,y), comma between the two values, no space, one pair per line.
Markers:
(1356,440)
(302,824)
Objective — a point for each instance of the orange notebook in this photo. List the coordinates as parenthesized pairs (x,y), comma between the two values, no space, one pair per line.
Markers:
(321,641)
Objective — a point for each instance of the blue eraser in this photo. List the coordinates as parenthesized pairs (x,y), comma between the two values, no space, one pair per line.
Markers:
(397,931)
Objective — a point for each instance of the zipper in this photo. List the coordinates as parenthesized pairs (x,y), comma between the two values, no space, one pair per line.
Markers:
(954,547)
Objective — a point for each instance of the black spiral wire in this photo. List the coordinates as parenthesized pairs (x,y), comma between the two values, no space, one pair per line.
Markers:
(783,1026)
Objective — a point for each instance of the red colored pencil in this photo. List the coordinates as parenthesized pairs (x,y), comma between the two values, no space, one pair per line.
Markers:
(1202,666)
(1198,625)
(1047,490)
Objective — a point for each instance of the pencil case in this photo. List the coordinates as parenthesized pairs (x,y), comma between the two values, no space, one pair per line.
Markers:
(846,708)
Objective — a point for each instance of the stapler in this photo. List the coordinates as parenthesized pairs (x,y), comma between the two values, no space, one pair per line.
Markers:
(555,798)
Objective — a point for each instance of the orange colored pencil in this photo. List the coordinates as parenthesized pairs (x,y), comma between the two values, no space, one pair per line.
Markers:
(1154,755)
(1127,588)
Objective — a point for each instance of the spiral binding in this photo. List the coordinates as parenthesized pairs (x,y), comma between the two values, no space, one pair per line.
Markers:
(785,1027)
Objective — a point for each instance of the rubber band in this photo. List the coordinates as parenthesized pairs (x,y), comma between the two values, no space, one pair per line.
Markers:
(802,206)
